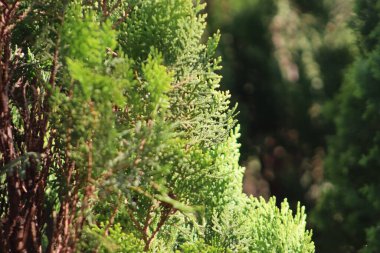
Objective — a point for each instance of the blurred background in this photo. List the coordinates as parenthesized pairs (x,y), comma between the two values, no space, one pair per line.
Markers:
(284,62)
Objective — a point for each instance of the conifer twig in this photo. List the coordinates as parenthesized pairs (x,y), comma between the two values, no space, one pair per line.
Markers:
(122,18)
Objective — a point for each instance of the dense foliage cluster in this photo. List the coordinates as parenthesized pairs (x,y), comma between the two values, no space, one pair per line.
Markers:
(115,137)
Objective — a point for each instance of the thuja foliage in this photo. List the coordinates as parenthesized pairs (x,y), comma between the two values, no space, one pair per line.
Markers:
(349,212)
(114,136)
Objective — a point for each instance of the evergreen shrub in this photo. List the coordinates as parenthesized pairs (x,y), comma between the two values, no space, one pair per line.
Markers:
(115,136)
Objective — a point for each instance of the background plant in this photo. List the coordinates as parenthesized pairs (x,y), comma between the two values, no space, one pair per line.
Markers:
(351,206)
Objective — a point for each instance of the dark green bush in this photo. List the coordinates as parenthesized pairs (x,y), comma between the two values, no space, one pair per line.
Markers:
(348,213)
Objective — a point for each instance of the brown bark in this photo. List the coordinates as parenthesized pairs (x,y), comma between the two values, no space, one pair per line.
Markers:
(21,224)
(7,148)
(23,211)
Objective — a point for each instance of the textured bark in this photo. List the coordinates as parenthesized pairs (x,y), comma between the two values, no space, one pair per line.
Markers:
(21,217)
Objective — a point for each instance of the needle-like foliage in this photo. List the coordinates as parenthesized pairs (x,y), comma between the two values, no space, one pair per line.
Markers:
(116,138)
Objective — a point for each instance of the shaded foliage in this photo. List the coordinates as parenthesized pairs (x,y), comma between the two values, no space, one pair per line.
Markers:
(349,210)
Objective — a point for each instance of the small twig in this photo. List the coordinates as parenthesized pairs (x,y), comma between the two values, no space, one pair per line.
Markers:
(104,8)
(14,7)
(181,83)
(148,219)
(113,215)
(4,3)
(117,4)
(23,15)
(54,67)
(122,18)
(164,217)
(136,223)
